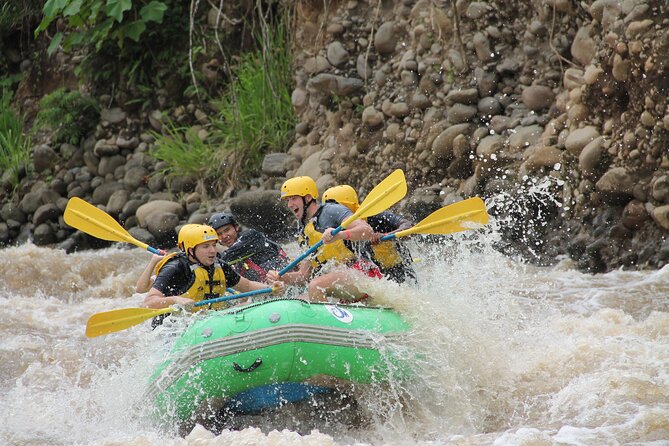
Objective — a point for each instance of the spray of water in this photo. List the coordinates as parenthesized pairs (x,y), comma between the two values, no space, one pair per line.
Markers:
(500,352)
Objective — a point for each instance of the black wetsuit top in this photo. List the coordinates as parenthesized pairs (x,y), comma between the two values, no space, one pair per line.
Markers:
(253,254)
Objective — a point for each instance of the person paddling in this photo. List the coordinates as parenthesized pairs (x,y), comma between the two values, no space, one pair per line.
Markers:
(315,222)
(392,256)
(195,273)
(250,252)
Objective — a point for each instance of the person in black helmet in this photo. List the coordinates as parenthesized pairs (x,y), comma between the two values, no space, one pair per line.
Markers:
(250,253)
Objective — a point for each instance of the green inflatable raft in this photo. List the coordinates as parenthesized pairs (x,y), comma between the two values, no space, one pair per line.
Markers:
(267,354)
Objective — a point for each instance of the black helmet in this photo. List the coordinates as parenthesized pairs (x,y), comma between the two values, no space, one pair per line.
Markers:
(221,219)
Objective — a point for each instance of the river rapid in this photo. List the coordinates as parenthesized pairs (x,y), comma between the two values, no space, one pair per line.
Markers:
(510,354)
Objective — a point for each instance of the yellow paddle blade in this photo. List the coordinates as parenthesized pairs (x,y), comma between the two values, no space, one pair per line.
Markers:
(388,192)
(460,216)
(96,222)
(117,320)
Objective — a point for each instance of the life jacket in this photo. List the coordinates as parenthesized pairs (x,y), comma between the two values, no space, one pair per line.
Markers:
(203,286)
(336,251)
(385,254)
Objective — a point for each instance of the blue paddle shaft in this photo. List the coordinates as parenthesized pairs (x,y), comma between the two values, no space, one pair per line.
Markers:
(388,237)
(233,296)
(308,252)
(154,250)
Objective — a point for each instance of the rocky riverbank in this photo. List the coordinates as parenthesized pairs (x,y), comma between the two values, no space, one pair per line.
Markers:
(554,112)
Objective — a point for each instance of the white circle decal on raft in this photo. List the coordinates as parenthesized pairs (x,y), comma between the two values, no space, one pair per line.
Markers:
(341,314)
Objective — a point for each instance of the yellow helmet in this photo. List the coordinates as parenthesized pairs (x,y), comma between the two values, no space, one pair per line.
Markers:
(300,186)
(343,194)
(192,235)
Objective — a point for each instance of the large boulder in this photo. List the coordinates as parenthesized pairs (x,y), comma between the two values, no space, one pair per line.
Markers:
(616,186)
(160,218)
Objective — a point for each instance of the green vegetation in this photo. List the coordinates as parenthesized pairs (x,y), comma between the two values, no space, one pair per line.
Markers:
(99,21)
(14,144)
(255,116)
(69,114)
(16,13)
(128,43)
(256,113)
(10,81)
(135,49)
(17,18)
(184,151)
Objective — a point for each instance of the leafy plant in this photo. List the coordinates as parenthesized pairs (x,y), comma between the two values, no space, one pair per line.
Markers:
(97,21)
(255,115)
(14,143)
(69,114)
(10,80)
(183,151)
(127,42)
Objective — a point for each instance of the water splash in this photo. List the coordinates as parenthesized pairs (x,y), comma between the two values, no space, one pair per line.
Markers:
(503,353)
(523,215)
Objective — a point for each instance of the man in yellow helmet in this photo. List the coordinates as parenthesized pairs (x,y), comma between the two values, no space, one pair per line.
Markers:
(249,252)
(392,256)
(317,221)
(195,273)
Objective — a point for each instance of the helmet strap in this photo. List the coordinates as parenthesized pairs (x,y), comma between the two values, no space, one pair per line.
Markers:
(192,254)
(305,214)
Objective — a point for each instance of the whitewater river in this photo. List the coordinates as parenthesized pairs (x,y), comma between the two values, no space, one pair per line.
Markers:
(510,355)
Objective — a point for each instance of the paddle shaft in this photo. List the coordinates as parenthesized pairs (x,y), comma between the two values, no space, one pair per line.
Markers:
(117,320)
(233,297)
(305,254)
(155,251)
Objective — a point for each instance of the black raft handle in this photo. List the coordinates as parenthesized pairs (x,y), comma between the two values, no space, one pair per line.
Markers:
(248,369)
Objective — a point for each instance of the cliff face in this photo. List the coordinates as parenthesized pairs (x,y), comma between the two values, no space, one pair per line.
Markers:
(554,111)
